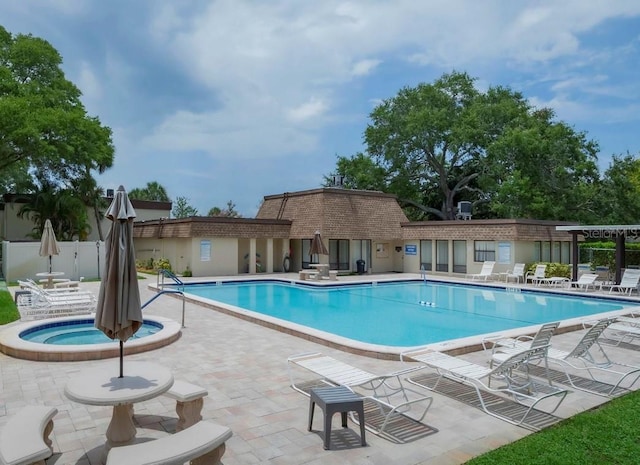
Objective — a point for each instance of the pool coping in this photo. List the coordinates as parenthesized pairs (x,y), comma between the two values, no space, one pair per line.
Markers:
(453,346)
(11,344)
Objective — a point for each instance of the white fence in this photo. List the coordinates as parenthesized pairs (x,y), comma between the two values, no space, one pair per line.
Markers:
(22,260)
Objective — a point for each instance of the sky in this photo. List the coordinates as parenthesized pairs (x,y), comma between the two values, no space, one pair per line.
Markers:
(233,100)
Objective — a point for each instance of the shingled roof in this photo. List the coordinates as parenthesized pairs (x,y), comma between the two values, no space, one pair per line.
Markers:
(337,213)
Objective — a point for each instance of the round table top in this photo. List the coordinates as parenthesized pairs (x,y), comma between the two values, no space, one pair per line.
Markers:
(49,273)
(101,385)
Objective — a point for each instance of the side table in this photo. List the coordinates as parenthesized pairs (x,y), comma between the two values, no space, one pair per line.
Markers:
(332,400)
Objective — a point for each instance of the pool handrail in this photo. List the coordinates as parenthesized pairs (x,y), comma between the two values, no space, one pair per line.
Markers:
(167,291)
(166,273)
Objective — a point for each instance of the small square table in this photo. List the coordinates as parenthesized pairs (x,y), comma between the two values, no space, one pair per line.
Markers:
(332,400)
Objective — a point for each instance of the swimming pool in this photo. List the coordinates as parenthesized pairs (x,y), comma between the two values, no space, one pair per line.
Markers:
(404,314)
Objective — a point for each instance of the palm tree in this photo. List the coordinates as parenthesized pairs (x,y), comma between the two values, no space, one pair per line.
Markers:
(67,212)
(153,191)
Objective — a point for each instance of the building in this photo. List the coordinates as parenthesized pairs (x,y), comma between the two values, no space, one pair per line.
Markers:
(355,225)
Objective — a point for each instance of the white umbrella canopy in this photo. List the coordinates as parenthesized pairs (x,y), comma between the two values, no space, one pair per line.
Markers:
(119,313)
(48,243)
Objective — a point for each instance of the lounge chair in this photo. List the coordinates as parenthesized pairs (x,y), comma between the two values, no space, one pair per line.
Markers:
(47,303)
(516,273)
(509,346)
(630,281)
(386,391)
(585,281)
(485,272)
(624,330)
(537,276)
(511,376)
(580,359)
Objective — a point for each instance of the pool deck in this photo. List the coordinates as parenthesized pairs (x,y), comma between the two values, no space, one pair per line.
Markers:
(243,366)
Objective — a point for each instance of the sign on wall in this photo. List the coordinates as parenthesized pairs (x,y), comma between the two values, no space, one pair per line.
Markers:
(411,249)
(205,250)
(504,252)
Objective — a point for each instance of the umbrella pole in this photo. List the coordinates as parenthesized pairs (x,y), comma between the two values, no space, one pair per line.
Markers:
(50,264)
(121,357)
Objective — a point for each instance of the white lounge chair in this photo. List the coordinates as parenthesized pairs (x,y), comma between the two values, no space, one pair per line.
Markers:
(387,391)
(585,281)
(48,303)
(580,359)
(504,346)
(485,272)
(509,378)
(537,276)
(516,273)
(630,281)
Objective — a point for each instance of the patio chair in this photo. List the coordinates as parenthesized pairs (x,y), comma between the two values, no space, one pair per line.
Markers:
(516,273)
(585,281)
(485,272)
(387,391)
(41,303)
(581,360)
(537,276)
(502,347)
(630,281)
(511,375)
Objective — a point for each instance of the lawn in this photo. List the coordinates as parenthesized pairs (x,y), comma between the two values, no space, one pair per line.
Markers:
(608,435)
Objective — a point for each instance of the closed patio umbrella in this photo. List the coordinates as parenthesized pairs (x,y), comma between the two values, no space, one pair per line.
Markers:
(119,313)
(48,243)
(317,246)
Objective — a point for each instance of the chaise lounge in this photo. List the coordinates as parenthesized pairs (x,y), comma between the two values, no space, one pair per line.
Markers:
(511,375)
(387,391)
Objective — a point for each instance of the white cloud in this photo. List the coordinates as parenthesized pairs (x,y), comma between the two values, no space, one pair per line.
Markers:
(312,108)
(88,83)
(364,67)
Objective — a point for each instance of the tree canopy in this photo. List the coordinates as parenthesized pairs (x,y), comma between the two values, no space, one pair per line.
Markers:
(152,191)
(182,208)
(229,211)
(437,144)
(46,136)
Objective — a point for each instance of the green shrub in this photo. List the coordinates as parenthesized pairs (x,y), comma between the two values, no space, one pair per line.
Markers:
(187,273)
(553,269)
(162,264)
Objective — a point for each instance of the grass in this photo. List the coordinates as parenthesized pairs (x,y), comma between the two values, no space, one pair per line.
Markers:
(8,310)
(608,434)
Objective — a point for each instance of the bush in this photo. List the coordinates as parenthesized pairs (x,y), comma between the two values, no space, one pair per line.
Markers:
(553,269)
(187,273)
(602,253)
(162,264)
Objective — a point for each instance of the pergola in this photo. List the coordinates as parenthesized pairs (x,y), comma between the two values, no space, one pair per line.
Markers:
(617,233)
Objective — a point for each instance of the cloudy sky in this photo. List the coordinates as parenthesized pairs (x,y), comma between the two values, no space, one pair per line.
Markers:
(222,100)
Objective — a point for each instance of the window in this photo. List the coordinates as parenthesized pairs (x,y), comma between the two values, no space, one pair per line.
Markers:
(542,251)
(484,251)
(459,256)
(426,255)
(306,258)
(442,255)
(565,252)
(339,254)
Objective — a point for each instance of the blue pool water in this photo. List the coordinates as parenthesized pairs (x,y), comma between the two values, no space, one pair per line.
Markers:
(405,313)
(79,332)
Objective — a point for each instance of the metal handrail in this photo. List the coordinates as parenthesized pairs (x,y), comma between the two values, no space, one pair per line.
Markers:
(168,291)
(162,272)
